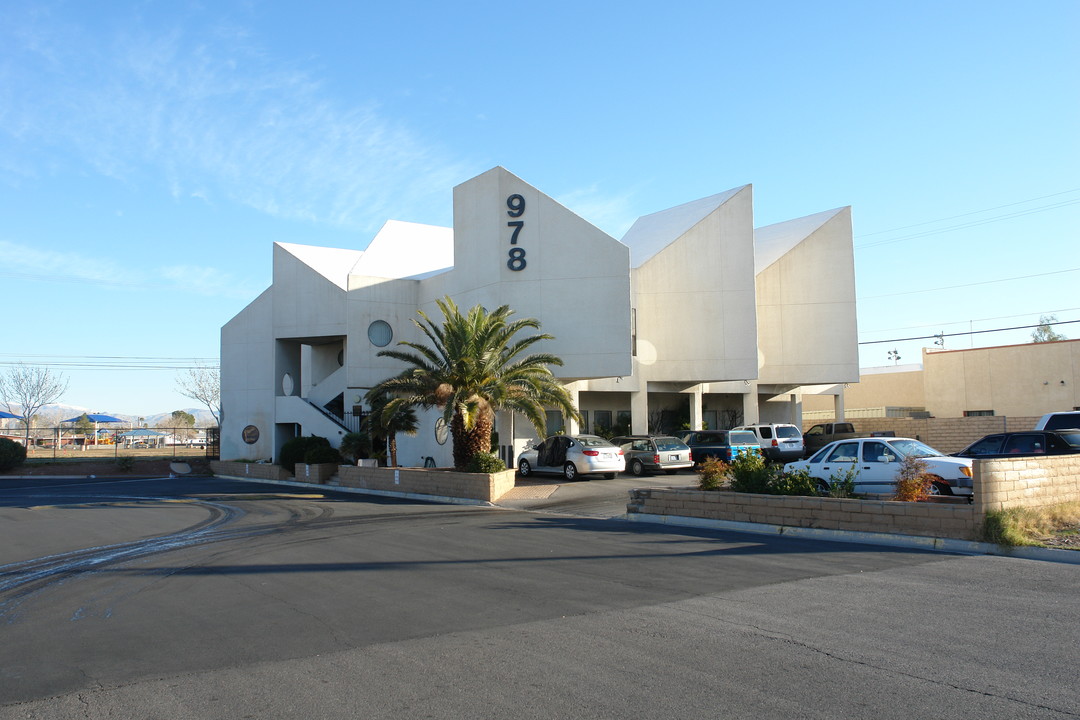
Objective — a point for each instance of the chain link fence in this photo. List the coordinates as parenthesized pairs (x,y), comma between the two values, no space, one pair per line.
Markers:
(75,443)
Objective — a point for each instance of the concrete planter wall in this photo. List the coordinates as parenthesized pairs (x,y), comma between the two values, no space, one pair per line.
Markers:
(261,471)
(318,473)
(434,482)
(882,516)
(998,485)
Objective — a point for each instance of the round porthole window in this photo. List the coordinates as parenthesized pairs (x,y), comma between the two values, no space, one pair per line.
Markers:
(379,333)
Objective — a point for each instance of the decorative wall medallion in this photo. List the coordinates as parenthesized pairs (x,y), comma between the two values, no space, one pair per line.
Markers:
(250,434)
(441,431)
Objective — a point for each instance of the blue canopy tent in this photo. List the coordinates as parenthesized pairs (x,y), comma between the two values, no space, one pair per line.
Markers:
(94,418)
(9,416)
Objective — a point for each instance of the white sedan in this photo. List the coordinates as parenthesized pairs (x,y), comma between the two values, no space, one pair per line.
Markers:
(571,456)
(877,462)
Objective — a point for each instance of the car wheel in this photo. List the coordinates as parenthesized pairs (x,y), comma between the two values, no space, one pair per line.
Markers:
(822,488)
(609,476)
(940,488)
(637,468)
(569,471)
(524,468)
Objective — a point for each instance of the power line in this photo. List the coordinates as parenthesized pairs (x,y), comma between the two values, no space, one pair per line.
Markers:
(953,287)
(970,332)
(968,214)
(972,320)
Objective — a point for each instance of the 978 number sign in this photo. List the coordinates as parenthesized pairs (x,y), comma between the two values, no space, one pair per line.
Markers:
(516,205)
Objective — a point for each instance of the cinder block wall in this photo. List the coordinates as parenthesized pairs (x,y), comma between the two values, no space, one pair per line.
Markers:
(444,483)
(947,435)
(997,484)
(1033,482)
(261,471)
(882,516)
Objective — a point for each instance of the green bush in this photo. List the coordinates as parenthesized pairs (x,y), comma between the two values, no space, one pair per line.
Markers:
(12,454)
(798,482)
(295,450)
(125,464)
(320,454)
(750,473)
(485,463)
(356,446)
(713,473)
(842,482)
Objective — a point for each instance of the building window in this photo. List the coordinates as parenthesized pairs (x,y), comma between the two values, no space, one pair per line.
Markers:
(380,333)
(584,420)
(554,422)
(978,413)
(601,421)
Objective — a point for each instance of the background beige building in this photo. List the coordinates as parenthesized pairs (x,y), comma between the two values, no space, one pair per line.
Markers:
(1026,380)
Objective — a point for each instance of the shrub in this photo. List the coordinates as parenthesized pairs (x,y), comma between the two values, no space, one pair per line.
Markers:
(798,482)
(842,482)
(125,464)
(321,454)
(750,473)
(12,454)
(485,463)
(355,446)
(294,450)
(912,482)
(713,473)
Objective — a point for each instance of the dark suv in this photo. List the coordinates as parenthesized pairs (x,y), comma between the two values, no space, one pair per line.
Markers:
(721,444)
(647,453)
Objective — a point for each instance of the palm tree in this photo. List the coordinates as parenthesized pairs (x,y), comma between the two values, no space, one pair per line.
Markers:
(387,420)
(473,368)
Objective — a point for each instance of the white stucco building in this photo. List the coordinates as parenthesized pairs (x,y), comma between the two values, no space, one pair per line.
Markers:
(693,316)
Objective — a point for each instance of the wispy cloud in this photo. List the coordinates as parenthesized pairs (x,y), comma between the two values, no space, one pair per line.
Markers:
(207,113)
(612,213)
(24,262)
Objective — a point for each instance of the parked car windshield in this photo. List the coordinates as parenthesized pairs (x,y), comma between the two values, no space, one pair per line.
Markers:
(1072,439)
(592,441)
(747,438)
(666,444)
(914,448)
(788,431)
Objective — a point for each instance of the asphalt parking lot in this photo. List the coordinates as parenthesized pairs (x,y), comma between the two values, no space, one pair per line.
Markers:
(199,597)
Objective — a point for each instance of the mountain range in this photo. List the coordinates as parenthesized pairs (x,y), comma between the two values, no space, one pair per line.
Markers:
(60,411)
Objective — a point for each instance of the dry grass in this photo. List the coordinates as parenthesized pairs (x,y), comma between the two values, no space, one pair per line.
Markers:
(1054,526)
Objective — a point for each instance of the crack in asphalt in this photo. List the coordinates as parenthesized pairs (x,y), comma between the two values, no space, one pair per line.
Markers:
(790,640)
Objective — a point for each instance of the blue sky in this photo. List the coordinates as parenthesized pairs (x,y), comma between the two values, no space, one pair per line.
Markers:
(151,152)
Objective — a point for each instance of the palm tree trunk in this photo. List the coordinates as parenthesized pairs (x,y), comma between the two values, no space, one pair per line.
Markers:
(468,443)
(393,450)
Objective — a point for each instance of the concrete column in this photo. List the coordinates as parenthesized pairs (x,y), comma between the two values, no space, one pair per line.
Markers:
(838,406)
(795,405)
(639,412)
(750,410)
(572,425)
(695,407)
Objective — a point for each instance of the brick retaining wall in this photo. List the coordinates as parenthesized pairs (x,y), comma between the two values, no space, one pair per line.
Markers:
(882,516)
(947,435)
(1026,482)
(261,471)
(424,481)
(997,485)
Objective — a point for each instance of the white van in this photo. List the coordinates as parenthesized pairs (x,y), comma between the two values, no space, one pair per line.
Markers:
(1059,421)
(779,442)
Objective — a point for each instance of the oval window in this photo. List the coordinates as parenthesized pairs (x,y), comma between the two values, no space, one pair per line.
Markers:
(379,333)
